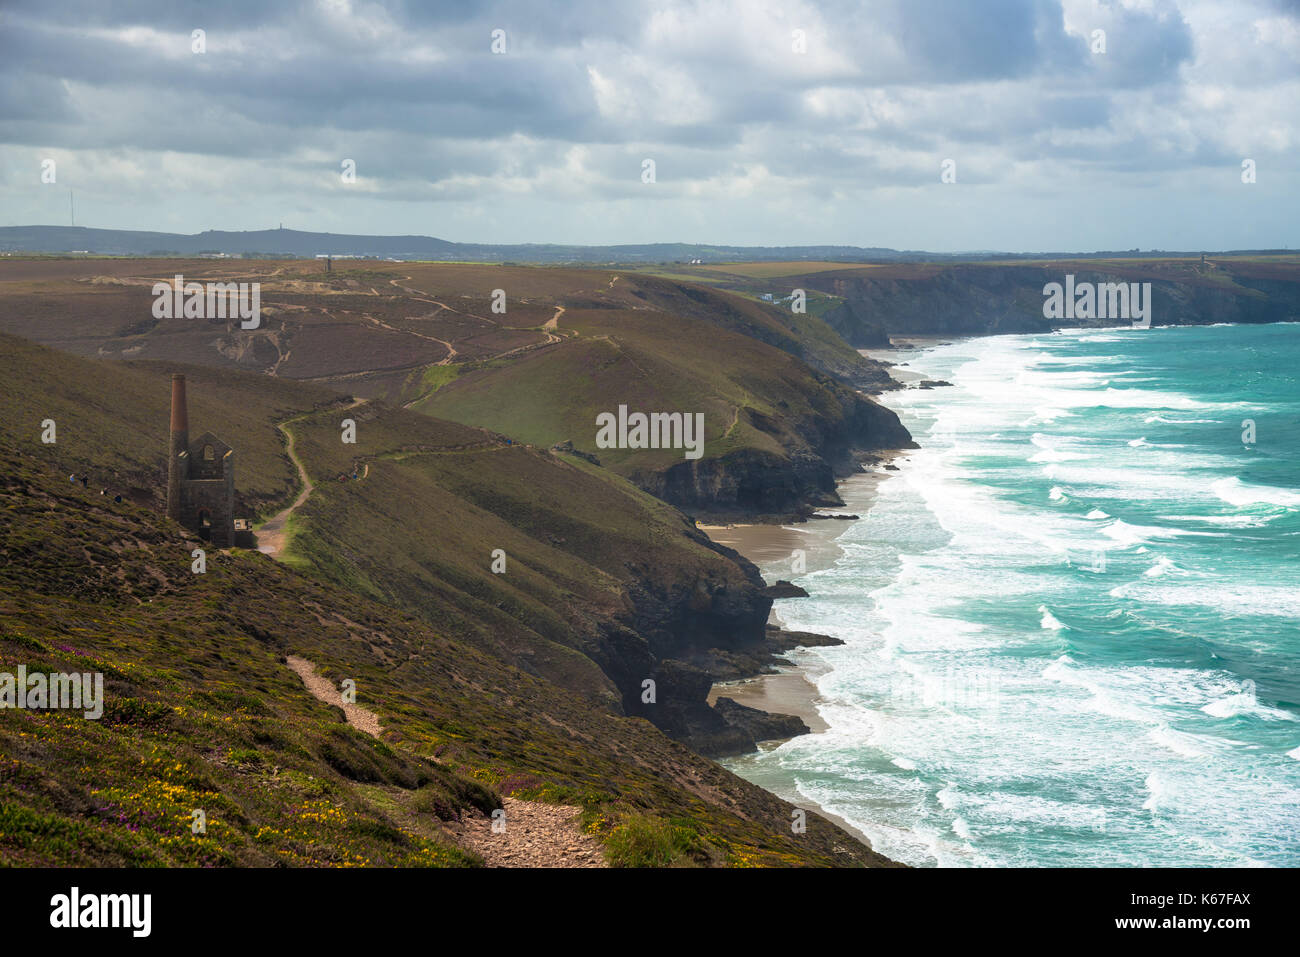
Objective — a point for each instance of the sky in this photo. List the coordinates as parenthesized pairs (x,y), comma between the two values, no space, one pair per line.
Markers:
(781,123)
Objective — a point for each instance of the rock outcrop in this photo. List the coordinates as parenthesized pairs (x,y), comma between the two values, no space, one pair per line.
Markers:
(784,589)
(759,725)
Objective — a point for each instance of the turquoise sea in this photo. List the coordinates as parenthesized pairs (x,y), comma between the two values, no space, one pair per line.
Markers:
(1072,619)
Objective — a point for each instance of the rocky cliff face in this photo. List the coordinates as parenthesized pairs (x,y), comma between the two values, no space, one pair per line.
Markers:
(757,483)
(671,624)
(993,299)
(682,636)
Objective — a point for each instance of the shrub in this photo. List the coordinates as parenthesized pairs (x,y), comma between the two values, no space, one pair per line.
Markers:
(642,841)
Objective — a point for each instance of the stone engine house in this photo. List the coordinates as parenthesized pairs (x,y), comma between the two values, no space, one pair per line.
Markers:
(200,477)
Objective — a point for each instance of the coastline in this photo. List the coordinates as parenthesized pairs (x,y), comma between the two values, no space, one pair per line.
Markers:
(904,756)
(792,689)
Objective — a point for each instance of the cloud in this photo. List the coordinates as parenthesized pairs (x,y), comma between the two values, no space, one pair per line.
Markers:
(770,122)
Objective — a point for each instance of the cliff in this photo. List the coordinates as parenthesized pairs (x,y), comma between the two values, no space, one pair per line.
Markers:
(605,588)
(990,299)
(760,484)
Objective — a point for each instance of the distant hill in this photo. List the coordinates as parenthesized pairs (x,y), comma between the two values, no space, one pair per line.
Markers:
(298,244)
(293,243)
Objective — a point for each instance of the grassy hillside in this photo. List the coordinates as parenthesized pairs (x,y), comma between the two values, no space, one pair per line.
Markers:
(115,425)
(604,584)
(202,712)
(780,391)
(775,429)
(621,580)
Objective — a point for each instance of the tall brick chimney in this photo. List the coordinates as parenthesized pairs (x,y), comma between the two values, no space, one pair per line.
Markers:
(178,446)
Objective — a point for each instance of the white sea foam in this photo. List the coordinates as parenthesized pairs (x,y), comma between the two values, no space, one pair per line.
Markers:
(1048,620)
(941,577)
(1112,398)
(1244,704)
(1159,791)
(1058,669)
(1168,421)
(1179,742)
(1226,598)
(1226,521)
(1126,534)
(1161,567)
(1150,481)
(1235,492)
(1054,455)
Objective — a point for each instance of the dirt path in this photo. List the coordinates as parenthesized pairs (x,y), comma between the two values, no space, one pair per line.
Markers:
(284,357)
(423,297)
(273,534)
(451,350)
(735,417)
(551,326)
(360,718)
(413,293)
(535,835)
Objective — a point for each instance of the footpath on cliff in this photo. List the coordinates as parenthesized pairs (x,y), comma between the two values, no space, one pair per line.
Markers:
(531,834)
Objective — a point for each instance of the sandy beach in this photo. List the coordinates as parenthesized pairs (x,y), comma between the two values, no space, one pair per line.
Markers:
(792,690)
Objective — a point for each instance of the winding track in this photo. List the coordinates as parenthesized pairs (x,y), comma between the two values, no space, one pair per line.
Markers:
(273,534)
(536,834)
